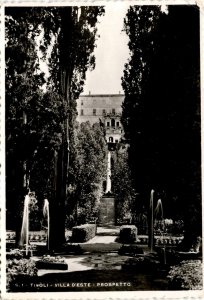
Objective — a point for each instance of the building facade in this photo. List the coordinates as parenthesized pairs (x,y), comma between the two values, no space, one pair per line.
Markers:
(104,108)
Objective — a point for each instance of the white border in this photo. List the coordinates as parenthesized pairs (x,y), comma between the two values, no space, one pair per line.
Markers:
(199,3)
(2,152)
(154,295)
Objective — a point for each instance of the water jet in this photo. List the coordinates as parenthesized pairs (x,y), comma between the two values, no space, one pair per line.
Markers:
(159,210)
(46,213)
(151,222)
(24,239)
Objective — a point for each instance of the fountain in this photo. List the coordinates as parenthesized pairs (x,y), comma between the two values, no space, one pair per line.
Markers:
(107,202)
(108,184)
(46,212)
(24,239)
(151,223)
(159,210)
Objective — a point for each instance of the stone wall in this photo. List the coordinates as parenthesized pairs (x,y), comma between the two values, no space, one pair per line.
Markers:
(107,211)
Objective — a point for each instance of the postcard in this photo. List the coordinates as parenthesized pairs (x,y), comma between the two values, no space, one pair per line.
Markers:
(101,149)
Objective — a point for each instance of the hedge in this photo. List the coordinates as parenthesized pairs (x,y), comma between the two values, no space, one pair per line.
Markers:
(130,250)
(128,233)
(83,233)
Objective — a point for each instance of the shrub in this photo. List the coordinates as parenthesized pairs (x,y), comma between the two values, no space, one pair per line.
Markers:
(14,254)
(128,233)
(52,262)
(187,275)
(83,233)
(130,250)
(72,248)
(20,253)
(178,227)
(16,267)
(141,222)
(53,259)
(141,264)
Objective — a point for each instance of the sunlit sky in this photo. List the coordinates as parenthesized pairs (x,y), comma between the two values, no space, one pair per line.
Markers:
(111,52)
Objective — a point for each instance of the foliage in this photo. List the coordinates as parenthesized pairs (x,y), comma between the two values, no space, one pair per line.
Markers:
(75,44)
(88,172)
(53,259)
(161,110)
(15,253)
(21,80)
(15,267)
(140,25)
(130,250)
(40,123)
(142,263)
(128,234)
(33,118)
(125,196)
(187,275)
(168,226)
(83,233)
(69,33)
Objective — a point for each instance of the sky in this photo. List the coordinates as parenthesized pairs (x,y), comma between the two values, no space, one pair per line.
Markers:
(111,53)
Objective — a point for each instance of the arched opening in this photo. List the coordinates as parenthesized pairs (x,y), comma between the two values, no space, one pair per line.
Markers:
(112,123)
(110,139)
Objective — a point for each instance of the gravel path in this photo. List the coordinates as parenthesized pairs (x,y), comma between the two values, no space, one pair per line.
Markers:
(103,261)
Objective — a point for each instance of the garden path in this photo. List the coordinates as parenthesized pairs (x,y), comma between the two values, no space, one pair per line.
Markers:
(91,261)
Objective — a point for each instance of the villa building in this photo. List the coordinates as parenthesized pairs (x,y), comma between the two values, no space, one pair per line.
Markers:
(104,108)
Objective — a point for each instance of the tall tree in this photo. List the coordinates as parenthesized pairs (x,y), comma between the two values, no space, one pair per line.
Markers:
(141,25)
(86,188)
(123,188)
(74,44)
(165,115)
(71,33)
(34,118)
(22,79)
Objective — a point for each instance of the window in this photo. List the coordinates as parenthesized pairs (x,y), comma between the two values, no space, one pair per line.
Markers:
(108,124)
(110,139)
(103,111)
(94,112)
(113,110)
(118,124)
(82,103)
(112,123)
(82,112)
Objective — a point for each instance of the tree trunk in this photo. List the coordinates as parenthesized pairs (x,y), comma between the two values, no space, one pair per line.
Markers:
(57,217)
(57,207)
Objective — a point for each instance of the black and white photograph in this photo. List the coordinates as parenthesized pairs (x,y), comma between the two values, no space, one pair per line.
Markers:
(102,148)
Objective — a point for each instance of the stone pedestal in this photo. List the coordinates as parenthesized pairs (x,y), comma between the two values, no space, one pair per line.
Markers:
(107,211)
